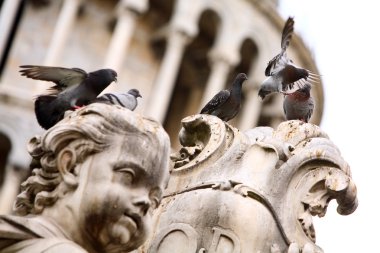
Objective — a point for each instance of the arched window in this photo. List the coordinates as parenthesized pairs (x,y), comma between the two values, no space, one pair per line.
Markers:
(192,76)
(248,57)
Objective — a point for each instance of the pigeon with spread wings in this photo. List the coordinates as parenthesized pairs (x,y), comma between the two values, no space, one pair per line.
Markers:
(226,103)
(73,88)
(282,73)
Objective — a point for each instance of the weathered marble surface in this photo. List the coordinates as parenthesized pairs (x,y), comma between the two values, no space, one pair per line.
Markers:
(97,176)
(255,191)
(100,172)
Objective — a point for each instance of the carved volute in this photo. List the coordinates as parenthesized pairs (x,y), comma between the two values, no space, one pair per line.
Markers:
(253,191)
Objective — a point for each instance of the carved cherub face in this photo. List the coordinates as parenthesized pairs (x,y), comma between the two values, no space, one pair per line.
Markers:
(121,186)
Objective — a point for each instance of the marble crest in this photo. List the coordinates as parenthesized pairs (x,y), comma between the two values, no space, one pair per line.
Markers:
(253,191)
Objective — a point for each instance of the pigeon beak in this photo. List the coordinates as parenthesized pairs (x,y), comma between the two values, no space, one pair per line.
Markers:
(263,93)
(115,79)
(139,96)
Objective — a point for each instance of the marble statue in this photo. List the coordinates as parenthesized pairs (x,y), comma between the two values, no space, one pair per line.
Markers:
(100,183)
(249,192)
(96,178)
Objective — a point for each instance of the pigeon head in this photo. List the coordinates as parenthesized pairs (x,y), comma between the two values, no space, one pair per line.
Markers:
(110,74)
(264,92)
(100,79)
(105,75)
(240,78)
(135,93)
(268,86)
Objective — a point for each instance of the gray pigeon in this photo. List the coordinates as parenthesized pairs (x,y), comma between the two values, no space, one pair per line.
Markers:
(299,104)
(73,88)
(127,100)
(282,73)
(226,103)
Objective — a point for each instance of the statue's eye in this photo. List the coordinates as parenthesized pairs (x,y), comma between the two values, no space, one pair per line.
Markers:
(127,175)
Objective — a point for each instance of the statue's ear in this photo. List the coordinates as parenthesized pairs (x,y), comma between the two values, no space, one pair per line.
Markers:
(65,162)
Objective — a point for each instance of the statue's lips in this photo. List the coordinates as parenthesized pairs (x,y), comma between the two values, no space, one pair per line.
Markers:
(130,221)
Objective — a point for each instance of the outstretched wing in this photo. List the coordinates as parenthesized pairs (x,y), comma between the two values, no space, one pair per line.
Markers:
(293,77)
(287,33)
(279,61)
(218,100)
(276,64)
(62,77)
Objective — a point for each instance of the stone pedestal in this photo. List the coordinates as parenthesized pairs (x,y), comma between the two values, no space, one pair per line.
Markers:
(253,191)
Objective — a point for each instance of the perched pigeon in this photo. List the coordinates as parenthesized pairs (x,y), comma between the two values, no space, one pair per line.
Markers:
(282,73)
(299,104)
(127,100)
(226,103)
(74,88)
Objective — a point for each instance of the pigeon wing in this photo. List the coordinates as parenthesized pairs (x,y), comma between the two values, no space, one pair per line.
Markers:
(287,33)
(276,64)
(281,59)
(293,78)
(218,100)
(62,77)
(311,110)
(123,99)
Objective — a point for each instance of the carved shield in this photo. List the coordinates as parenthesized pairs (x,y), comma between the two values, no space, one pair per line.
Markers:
(249,192)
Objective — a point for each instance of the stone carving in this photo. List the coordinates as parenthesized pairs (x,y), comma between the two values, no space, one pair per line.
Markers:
(253,191)
(97,175)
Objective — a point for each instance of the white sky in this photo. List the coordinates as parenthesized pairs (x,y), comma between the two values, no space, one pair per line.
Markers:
(344,36)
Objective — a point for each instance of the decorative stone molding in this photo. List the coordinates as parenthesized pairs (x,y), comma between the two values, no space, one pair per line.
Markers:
(253,191)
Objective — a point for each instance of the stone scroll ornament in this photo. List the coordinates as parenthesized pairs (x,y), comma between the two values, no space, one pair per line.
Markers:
(253,191)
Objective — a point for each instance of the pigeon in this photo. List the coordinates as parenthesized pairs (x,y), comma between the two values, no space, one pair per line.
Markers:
(127,100)
(226,103)
(299,104)
(282,73)
(73,88)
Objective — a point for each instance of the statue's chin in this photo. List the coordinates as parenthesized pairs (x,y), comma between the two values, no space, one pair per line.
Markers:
(121,236)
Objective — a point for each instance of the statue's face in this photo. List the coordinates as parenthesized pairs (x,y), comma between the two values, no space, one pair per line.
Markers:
(121,187)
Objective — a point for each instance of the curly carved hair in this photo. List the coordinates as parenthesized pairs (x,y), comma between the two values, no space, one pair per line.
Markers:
(85,132)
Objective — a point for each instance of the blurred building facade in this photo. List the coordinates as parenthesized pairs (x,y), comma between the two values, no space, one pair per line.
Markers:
(178,53)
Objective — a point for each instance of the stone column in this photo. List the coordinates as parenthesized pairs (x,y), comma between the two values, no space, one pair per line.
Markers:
(128,11)
(223,57)
(220,68)
(250,109)
(164,85)
(7,15)
(252,105)
(62,30)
